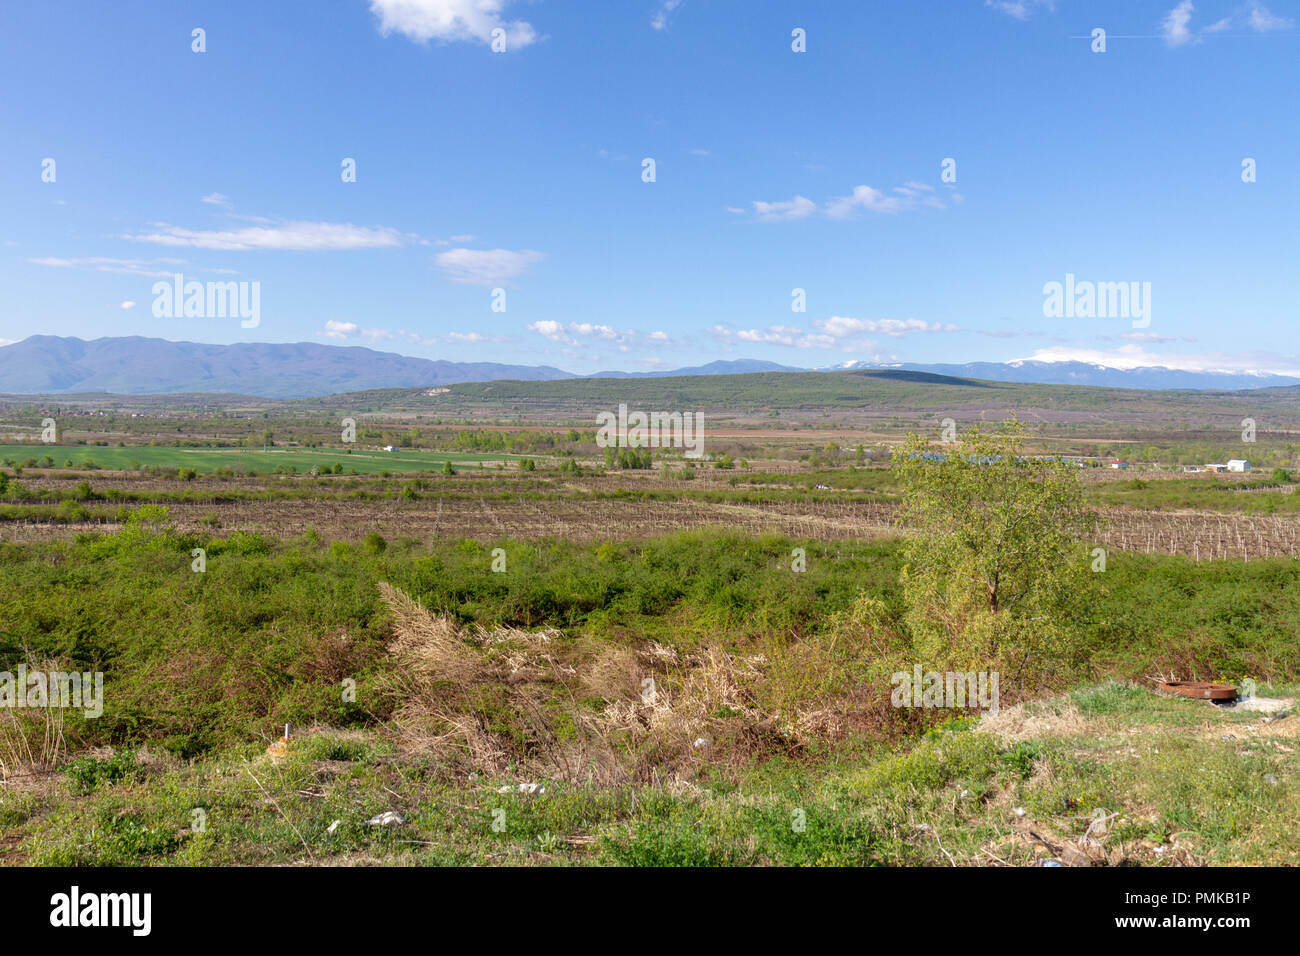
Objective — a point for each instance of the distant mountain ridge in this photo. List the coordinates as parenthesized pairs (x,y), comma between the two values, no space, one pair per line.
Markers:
(1081,373)
(136,365)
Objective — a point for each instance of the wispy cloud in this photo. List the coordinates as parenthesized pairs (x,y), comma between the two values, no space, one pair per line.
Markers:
(785,335)
(911,195)
(800,207)
(589,334)
(660,20)
(473,338)
(216,199)
(150,268)
(840,327)
(1153,337)
(486,266)
(451,21)
(572,333)
(287,236)
(335,329)
(837,332)
(1177,27)
(1174,27)
(1263,21)
(1020,9)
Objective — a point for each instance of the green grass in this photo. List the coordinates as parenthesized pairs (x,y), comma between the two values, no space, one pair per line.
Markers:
(955,797)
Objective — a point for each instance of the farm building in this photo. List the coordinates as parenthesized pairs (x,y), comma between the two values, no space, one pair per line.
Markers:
(1119,464)
(1238,464)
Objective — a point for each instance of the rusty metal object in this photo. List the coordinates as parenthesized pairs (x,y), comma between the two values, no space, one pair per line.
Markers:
(1200,690)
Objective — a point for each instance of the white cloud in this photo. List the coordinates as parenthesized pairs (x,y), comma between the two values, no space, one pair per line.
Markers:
(863,197)
(1174,26)
(339,330)
(451,21)
(334,329)
(572,332)
(1135,356)
(841,327)
(1177,30)
(797,208)
(598,331)
(837,332)
(485,266)
(288,236)
(660,20)
(216,199)
(128,304)
(1262,21)
(910,195)
(785,335)
(4,342)
(549,328)
(1020,9)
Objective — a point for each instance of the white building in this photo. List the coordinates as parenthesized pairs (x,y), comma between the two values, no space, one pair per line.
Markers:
(1238,464)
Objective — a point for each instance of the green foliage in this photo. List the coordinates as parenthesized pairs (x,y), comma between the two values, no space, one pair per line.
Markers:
(87,774)
(995,575)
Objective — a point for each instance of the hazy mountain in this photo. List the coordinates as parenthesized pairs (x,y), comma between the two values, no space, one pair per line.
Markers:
(1081,373)
(134,365)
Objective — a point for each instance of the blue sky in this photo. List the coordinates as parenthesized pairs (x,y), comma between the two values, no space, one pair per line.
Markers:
(774,170)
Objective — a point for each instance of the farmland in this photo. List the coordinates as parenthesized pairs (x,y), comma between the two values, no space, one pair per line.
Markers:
(244,461)
(499,588)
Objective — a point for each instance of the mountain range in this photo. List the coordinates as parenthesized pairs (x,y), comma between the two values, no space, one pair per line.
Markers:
(135,365)
(1082,373)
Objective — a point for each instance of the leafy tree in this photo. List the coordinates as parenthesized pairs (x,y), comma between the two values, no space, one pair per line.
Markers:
(994,569)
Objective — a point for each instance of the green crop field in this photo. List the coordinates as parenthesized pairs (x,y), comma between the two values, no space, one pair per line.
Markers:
(362,461)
